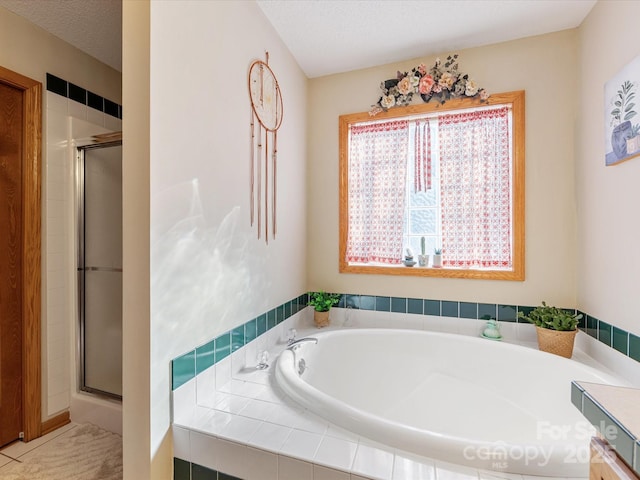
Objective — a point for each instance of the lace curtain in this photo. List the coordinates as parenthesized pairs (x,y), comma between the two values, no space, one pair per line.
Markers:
(476,189)
(377,179)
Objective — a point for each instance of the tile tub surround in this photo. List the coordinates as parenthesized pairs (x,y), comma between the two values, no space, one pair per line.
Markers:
(191,363)
(614,413)
(232,418)
(83,96)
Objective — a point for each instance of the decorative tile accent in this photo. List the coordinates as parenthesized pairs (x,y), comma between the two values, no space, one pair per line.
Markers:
(181,469)
(487,311)
(468,310)
(198,360)
(507,313)
(621,340)
(415,305)
(449,309)
(183,369)
(525,311)
(187,366)
(78,94)
(620,439)
(398,305)
(604,332)
(367,302)
(634,347)
(205,356)
(383,304)
(432,307)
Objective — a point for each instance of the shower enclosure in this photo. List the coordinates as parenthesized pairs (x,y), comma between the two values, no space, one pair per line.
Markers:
(99,189)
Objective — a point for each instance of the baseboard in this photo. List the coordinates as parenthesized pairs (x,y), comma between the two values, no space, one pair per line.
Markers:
(56,422)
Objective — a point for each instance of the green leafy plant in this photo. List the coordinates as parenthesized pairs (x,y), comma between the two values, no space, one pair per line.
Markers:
(552,318)
(623,104)
(437,251)
(323,301)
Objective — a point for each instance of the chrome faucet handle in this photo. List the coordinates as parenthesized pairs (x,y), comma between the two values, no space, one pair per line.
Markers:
(291,336)
(296,343)
(264,361)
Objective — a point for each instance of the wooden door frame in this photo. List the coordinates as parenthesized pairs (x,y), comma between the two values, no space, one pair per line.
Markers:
(31,250)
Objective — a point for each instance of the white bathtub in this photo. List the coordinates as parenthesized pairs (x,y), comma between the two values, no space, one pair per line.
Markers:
(459,399)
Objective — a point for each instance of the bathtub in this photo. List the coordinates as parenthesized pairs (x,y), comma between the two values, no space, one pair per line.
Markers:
(466,400)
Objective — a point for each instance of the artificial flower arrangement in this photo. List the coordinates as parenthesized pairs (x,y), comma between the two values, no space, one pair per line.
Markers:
(442,82)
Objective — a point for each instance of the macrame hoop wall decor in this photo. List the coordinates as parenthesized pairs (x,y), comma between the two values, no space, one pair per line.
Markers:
(266,118)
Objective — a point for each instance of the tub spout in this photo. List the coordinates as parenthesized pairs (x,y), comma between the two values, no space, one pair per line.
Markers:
(293,345)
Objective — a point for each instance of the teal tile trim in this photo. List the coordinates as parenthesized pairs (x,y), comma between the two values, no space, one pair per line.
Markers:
(183,369)
(623,441)
(192,363)
(183,470)
(187,366)
(636,456)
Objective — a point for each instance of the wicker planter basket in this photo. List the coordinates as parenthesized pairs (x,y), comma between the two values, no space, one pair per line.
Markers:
(554,341)
(321,319)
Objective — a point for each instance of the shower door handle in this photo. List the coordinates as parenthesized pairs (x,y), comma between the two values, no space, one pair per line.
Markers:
(100,269)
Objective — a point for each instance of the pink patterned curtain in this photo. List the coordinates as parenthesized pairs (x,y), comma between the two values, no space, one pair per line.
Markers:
(377,182)
(476,189)
(422,165)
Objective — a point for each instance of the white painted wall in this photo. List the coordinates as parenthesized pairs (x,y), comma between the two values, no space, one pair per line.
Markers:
(209,272)
(608,265)
(544,67)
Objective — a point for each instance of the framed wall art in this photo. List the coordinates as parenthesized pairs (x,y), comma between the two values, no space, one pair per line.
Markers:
(622,122)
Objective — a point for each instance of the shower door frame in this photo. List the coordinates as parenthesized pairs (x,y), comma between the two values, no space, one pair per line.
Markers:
(98,141)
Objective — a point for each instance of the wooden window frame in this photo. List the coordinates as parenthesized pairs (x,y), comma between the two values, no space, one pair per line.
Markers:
(517,101)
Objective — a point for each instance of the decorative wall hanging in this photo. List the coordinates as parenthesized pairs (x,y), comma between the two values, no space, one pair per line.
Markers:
(267,109)
(441,82)
(622,135)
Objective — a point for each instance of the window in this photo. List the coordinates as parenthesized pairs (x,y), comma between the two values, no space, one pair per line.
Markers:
(451,173)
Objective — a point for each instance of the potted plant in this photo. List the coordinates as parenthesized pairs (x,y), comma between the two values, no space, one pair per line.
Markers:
(423,258)
(437,257)
(622,114)
(556,328)
(322,303)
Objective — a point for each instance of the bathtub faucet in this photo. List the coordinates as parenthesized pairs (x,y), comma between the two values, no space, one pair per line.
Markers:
(293,345)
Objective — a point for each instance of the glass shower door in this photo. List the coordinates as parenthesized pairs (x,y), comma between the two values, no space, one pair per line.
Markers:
(100,269)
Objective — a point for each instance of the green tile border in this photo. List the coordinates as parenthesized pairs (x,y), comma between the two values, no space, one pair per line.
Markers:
(183,470)
(624,442)
(198,360)
(187,366)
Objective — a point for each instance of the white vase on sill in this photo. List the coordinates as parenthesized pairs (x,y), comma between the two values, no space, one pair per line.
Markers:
(437,260)
(423,260)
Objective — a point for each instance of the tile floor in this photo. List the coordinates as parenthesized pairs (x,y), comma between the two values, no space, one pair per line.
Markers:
(15,451)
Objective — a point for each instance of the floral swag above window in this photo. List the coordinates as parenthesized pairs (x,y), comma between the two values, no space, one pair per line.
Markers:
(441,82)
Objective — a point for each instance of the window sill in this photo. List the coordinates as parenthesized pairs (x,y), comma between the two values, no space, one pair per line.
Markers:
(517,274)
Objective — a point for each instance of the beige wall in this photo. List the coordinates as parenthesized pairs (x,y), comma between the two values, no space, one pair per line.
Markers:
(136,330)
(29,50)
(544,67)
(608,265)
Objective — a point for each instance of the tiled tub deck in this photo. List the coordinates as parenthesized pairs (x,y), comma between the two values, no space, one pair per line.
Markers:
(234,419)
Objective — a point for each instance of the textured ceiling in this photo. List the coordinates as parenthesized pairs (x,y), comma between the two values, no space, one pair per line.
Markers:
(332,36)
(93,26)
